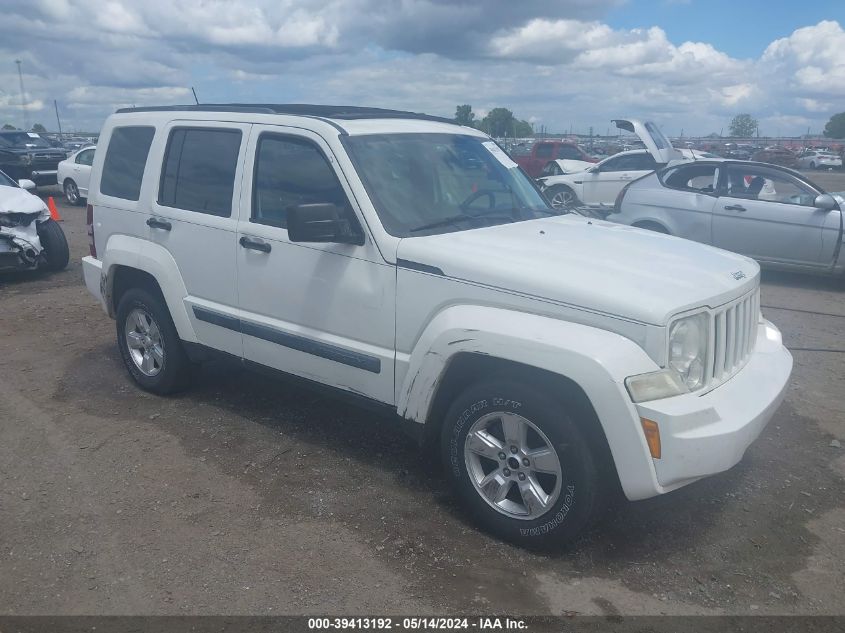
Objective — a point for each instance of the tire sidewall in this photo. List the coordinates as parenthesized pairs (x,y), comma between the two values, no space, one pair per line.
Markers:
(54,243)
(574,507)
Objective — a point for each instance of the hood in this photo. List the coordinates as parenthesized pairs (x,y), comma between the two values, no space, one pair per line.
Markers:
(17,200)
(654,140)
(595,265)
(571,166)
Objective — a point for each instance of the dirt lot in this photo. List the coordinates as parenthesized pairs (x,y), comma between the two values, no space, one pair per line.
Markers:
(250,496)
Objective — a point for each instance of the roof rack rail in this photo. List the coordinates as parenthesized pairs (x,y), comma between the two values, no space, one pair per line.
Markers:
(303,109)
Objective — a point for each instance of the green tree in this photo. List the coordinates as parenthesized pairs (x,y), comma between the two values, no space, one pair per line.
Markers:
(464,115)
(521,129)
(38,128)
(743,126)
(498,122)
(835,128)
(6,126)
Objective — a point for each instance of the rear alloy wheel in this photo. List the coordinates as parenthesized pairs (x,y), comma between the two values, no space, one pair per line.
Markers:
(812,165)
(149,344)
(72,193)
(521,465)
(562,197)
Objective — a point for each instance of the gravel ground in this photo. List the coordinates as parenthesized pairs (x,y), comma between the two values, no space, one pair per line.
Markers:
(248,496)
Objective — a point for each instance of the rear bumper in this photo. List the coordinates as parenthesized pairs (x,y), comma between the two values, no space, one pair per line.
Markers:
(92,270)
(708,434)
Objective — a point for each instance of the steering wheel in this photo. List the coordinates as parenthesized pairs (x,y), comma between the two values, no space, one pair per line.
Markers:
(490,194)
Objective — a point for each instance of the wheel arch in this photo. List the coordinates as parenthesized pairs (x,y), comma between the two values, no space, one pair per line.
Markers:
(130,262)
(585,365)
(463,370)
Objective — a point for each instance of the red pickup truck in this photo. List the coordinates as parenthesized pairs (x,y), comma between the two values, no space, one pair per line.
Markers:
(543,152)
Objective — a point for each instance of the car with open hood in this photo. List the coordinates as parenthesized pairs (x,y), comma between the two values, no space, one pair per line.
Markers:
(571,183)
(407,263)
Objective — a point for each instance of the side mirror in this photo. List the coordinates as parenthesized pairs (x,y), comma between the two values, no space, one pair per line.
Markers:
(595,170)
(26,183)
(826,202)
(322,222)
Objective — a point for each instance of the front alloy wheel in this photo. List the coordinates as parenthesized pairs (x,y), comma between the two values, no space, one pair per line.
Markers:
(519,459)
(563,198)
(512,465)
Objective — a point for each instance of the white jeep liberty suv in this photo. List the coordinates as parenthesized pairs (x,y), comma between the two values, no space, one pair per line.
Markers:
(407,261)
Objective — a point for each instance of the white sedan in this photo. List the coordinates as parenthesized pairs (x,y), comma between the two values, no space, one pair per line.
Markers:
(74,173)
(819,159)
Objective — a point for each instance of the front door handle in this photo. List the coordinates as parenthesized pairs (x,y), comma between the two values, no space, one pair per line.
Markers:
(155,223)
(255,245)
(734,207)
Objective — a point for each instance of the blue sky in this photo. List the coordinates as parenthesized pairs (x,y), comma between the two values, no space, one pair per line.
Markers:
(686,64)
(741,28)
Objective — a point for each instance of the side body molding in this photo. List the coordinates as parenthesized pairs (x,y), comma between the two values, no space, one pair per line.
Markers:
(597,360)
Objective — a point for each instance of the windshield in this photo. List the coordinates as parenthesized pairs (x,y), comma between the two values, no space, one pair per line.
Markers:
(422,184)
(22,140)
(5,181)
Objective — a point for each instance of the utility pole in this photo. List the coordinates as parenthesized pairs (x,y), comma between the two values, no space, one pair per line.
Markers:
(58,121)
(23,98)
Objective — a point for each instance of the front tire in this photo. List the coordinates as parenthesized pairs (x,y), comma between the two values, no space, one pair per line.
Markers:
(56,252)
(520,464)
(562,197)
(149,343)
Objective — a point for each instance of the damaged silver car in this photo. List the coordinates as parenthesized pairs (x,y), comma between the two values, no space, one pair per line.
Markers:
(29,237)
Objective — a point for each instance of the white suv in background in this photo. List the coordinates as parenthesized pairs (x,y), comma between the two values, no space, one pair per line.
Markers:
(74,173)
(408,263)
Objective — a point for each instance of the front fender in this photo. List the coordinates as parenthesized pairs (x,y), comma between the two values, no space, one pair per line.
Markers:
(124,250)
(597,360)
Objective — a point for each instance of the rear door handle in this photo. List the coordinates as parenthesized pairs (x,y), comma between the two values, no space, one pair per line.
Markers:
(734,207)
(624,177)
(156,223)
(255,245)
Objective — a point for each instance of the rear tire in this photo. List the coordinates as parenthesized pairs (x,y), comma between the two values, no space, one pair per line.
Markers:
(72,193)
(149,343)
(56,252)
(546,489)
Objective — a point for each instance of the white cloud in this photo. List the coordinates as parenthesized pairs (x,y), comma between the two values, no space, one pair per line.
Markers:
(551,62)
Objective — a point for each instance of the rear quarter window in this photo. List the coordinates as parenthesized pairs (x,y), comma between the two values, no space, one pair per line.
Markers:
(126,157)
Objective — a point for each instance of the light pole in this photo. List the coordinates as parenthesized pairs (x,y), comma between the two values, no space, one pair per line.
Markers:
(23,98)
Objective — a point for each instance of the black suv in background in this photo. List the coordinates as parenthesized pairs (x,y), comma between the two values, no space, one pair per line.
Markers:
(28,155)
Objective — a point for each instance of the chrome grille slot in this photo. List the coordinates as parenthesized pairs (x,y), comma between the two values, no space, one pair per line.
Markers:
(734,328)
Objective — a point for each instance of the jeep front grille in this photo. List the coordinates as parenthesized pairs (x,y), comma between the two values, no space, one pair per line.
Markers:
(733,332)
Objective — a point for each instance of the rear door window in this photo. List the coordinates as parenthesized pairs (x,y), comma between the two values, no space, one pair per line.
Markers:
(544,150)
(199,170)
(126,157)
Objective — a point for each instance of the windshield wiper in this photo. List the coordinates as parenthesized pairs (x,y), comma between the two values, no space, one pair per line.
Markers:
(461,217)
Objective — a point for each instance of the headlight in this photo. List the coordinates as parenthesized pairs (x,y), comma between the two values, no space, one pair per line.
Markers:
(688,349)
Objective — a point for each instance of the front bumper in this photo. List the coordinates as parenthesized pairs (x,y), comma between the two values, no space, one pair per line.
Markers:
(705,434)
